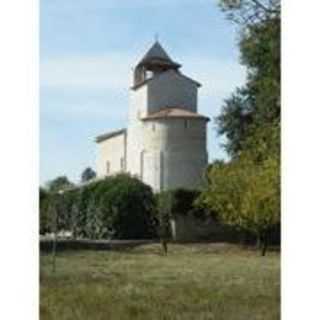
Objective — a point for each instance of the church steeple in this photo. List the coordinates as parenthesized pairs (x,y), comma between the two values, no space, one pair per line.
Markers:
(157,55)
(156,60)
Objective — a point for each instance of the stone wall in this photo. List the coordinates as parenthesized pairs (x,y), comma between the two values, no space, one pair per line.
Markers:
(174,153)
(188,228)
(111,153)
(171,89)
(137,110)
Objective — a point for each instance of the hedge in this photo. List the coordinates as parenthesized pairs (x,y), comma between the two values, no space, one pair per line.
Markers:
(119,207)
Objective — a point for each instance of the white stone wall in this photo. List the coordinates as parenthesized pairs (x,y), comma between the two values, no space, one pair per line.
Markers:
(170,89)
(163,153)
(111,150)
(175,153)
(137,110)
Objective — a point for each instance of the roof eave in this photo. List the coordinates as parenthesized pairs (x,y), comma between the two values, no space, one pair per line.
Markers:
(110,135)
(175,117)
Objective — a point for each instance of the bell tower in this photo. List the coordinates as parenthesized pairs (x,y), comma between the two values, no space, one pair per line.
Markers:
(163,123)
(155,61)
(165,141)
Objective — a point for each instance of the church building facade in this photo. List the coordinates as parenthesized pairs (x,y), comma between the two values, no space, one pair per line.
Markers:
(165,143)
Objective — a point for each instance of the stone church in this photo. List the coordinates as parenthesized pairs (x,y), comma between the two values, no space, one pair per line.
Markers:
(165,143)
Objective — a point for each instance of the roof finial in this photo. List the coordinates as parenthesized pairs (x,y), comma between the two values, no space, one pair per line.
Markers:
(156,37)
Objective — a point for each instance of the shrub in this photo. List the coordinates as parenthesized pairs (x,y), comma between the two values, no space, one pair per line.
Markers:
(120,207)
(128,205)
(178,202)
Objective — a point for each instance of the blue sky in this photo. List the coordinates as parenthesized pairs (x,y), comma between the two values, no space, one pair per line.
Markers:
(87,51)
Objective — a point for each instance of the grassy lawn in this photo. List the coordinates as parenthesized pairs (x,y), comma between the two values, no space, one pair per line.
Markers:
(194,282)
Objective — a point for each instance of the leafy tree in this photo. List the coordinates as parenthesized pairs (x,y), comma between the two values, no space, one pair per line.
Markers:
(246,195)
(74,218)
(44,199)
(95,226)
(59,183)
(88,174)
(257,103)
(245,192)
(53,214)
(128,206)
(178,201)
(248,12)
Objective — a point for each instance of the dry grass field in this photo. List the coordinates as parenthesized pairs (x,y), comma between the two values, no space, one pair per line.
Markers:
(193,282)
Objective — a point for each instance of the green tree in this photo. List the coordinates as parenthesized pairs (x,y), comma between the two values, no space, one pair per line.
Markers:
(246,195)
(248,12)
(88,174)
(74,218)
(128,207)
(245,192)
(53,214)
(96,228)
(257,103)
(44,220)
(59,183)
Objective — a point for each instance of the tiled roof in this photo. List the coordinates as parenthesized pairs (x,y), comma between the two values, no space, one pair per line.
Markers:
(157,53)
(174,112)
(109,135)
(155,77)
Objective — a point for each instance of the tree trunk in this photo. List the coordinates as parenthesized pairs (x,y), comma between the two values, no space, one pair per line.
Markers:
(264,245)
(54,250)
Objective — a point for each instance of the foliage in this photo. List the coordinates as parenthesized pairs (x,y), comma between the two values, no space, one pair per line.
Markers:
(44,199)
(172,203)
(88,174)
(178,201)
(248,12)
(164,214)
(95,226)
(128,205)
(59,184)
(246,194)
(257,103)
(119,206)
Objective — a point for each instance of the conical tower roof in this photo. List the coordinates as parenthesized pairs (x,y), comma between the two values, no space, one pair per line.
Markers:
(157,55)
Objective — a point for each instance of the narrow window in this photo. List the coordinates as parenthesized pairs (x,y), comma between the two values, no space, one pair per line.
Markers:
(108,167)
(122,164)
(186,124)
(141,164)
(153,127)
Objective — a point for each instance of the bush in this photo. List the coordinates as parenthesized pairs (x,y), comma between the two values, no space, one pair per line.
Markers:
(128,206)
(120,207)
(178,202)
